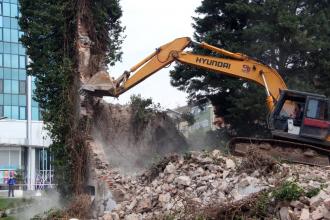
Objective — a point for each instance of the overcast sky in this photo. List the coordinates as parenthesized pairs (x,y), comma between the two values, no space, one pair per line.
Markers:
(150,24)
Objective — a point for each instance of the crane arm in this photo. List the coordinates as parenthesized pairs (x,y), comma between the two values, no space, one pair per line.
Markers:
(236,65)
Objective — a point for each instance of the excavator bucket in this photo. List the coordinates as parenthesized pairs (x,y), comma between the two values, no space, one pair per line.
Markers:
(100,85)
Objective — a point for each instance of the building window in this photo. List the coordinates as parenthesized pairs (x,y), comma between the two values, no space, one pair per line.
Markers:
(22,62)
(9,162)
(7,61)
(1,99)
(6,73)
(7,99)
(7,86)
(1,86)
(22,113)
(14,61)
(1,111)
(14,48)
(13,10)
(6,9)
(6,34)
(14,23)
(14,36)
(22,87)
(21,49)
(14,114)
(35,113)
(7,111)
(14,87)
(6,22)
(6,48)
(14,74)
(22,74)
(45,171)
(14,99)
(22,100)
(34,103)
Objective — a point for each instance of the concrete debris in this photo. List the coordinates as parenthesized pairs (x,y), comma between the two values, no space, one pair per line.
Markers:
(317,200)
(284,213)
(304,214)
(183,180)
(314,208)
(170,168)
(230,164)
(297,204)
(206,178)
(318,213)
(327,203)
(144,205)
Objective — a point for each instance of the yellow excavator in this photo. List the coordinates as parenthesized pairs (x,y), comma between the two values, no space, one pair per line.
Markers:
(299,121)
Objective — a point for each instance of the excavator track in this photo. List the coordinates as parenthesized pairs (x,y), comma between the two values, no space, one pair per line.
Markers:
(282,150)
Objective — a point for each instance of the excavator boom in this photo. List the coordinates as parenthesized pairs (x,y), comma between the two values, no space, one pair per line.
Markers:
(237,65)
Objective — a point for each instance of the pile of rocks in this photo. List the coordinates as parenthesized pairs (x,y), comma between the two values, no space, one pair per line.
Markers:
(201,179)
(316,207)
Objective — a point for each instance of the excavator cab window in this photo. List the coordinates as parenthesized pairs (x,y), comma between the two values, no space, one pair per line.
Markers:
(290,108)
(316,121)
(317,109)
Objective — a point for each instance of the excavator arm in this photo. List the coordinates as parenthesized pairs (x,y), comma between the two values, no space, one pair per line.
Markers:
(234,65)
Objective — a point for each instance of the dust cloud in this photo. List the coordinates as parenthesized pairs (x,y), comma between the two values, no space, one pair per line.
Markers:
(48,200)
(131,153)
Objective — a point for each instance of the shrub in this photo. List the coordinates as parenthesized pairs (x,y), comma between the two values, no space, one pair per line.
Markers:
(288,191)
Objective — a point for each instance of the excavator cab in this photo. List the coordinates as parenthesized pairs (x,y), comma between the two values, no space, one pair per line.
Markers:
(302,117)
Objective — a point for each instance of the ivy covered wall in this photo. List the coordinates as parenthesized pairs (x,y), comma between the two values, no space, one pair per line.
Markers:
(51,32)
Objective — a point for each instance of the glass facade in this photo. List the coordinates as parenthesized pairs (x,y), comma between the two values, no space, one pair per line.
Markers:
(16,103)
(44,169)
(13,80)
(9,163)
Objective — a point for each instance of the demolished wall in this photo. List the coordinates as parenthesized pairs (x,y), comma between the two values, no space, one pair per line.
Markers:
(113,127)
(114,146)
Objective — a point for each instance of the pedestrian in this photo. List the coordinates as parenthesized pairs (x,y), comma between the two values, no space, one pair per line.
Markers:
(11,184)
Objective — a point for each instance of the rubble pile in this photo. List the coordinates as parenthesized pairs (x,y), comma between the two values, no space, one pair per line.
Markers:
(185,185)
(314,208)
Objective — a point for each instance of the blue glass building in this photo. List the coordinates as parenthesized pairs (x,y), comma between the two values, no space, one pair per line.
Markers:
(23,141)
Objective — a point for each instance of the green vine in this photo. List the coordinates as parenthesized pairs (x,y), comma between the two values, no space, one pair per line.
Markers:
(142,112)
(50,29)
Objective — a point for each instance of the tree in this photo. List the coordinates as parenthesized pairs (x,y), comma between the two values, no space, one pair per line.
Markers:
(50,34)
(317,24)
(283,34)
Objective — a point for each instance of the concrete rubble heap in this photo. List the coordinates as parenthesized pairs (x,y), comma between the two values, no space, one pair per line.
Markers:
(203,179)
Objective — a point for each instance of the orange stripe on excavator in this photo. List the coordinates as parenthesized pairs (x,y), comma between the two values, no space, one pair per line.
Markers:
(316,123)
